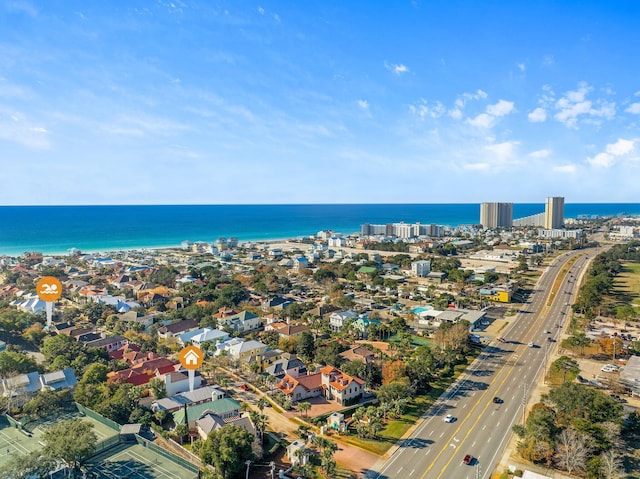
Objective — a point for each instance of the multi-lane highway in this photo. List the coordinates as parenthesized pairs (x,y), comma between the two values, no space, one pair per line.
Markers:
(505,370)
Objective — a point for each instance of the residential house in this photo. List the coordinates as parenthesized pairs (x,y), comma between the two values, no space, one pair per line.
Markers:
(239,321)
(302,387)
(289,364)
(108,344)
(135,320)
(276,303)
(210,422)
(300,262)
(338,319)
(25,386)
(226,408)
(175,329)
(341,387)
(30,303)
(143,371)
(359,353)
(190,398)
(199,336)
(286,329)
(178,381)
(120,352)
(247,351)
(269,357)
(362,325)
(296,458)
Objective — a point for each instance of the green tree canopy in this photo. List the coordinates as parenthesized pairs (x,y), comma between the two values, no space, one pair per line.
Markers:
(227,449)
(71,441)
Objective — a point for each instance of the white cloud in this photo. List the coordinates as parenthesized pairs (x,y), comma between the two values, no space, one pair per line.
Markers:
(634,108)
(521,66)
(612,152)
(398,69)
(621,147)
(538,115)
(540,154)
(488,119)
(424,110)
(482,121)
(364,104)
(260,10)
(548,60)
(503,152)
(565,168)
(455,113)
(574,106)
(501,108)
(602,160)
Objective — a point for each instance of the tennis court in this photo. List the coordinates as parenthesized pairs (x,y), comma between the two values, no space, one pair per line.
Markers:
(134,461)
(102,431)
(14,442)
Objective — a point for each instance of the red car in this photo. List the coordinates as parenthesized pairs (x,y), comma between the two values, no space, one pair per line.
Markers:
(468,459)
(244,387)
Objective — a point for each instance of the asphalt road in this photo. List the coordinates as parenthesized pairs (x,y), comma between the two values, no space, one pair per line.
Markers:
(506,370)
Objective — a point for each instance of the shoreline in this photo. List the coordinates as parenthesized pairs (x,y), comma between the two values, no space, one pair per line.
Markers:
(241,243)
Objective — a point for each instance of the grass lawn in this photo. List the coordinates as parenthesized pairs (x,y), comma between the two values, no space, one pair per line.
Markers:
(628,283)
(415,340)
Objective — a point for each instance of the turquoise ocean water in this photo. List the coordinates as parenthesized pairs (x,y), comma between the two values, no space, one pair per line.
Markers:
(55,229)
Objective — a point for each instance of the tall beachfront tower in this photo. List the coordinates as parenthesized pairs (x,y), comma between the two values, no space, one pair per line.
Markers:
(496,215)
(554,213)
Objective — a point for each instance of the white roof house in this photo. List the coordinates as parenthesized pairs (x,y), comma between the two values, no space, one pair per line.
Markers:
(201,335)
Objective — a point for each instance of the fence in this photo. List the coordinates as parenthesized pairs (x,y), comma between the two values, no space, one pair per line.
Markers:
(167,454)
(101,419)
(108,443)
(14,422)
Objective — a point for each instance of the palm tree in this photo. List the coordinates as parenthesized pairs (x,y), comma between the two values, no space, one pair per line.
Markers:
(262,403)
(260,422)
(304,407)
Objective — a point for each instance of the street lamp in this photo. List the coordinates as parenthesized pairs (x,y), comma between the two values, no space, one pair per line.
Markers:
(248,463)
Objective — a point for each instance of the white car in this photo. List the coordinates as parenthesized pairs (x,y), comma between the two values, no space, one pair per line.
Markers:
(449,418)
(609,368)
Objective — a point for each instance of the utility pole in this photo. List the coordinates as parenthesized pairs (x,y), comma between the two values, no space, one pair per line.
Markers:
(524,405)
(248,463)
(273,469)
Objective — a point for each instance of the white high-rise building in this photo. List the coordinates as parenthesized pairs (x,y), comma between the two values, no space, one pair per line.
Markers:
(554,213)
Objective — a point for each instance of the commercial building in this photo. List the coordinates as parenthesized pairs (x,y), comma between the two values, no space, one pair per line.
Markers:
(496,215)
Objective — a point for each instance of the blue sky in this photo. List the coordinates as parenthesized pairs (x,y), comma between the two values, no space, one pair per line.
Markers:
(318,102)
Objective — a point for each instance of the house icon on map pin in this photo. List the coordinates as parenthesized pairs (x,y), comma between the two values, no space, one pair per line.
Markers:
(191,357)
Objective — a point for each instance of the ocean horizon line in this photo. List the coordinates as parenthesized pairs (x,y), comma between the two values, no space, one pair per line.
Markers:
(56,229)
(93,205)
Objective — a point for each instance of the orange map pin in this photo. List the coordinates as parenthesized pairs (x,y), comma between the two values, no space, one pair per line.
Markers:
(191,357)
(49,289)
